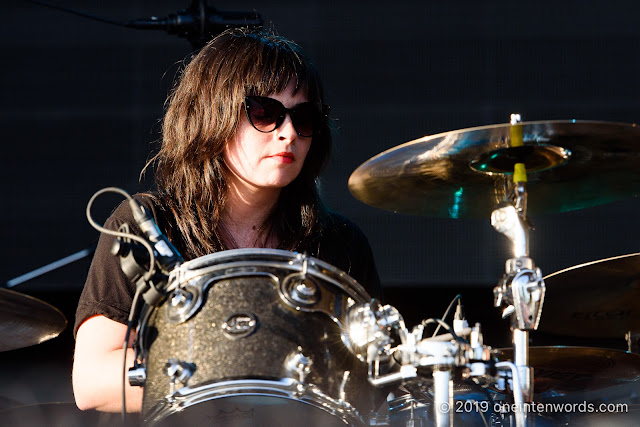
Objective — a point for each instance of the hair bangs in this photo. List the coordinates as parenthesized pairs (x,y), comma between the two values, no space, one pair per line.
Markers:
(278,63)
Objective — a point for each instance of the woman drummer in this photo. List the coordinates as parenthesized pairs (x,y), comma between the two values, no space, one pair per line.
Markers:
(245,137)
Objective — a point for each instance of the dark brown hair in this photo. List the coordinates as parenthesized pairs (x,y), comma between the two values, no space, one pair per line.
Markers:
(202,114)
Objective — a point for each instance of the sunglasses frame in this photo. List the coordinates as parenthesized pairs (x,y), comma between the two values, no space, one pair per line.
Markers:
(317,115)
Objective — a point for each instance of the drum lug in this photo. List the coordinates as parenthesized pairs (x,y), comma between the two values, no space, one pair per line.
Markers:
(178,370)
(297,363)
(304,292)
(182,304)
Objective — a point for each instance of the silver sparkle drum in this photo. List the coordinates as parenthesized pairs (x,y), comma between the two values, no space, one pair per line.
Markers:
(253,337)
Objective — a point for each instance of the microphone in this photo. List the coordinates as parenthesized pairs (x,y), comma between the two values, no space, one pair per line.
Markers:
(167,256)
(199,23)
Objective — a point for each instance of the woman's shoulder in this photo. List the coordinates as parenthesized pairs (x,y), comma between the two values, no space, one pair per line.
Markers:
(341,235)
(345,246)
(149,200)
(337,223)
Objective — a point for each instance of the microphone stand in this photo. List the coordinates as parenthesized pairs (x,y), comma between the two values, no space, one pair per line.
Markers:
(198,23)
(51,267)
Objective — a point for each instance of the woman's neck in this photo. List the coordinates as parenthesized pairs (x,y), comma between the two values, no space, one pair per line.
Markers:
(245,216)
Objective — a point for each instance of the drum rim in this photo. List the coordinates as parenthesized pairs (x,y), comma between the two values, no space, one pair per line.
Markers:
(285,388)
(195,267)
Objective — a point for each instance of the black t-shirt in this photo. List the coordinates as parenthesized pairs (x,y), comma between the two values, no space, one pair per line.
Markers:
(108,292)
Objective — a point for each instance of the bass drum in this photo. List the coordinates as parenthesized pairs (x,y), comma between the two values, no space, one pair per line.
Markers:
(253,337)
(413,405)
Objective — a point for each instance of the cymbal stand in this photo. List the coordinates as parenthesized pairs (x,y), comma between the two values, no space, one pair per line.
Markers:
(633,341)
(522,288)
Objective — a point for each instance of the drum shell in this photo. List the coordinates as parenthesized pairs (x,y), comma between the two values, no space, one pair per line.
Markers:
(280,331)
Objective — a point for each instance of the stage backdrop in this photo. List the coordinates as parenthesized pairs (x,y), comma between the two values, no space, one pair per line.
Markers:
(82,101)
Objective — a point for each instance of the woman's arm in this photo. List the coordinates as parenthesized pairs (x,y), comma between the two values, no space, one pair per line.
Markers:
(97,367)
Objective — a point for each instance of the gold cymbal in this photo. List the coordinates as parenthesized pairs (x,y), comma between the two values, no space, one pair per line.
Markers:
(26,321)
(562,370)
(467,173)
(596,299)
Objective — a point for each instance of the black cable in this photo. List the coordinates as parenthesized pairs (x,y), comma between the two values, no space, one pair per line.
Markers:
(130,325)
(146,279)
(143,242)
(446,312)
(78,13)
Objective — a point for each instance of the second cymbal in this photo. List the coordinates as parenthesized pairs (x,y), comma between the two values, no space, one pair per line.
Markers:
(26,321)
(563,370)
(596,299)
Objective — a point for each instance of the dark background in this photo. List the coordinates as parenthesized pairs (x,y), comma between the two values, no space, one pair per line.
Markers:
(81,103)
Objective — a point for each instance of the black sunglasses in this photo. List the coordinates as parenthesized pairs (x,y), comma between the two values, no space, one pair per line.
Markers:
(267,114)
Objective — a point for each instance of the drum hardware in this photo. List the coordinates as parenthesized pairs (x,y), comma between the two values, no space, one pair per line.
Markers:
(298,363)
(633,341)
(178,370)
(369,328)
(299,289)
(286,388)
(182,303)
(522,288)
(367,332)
(343,384)
(413,420)
(137,375)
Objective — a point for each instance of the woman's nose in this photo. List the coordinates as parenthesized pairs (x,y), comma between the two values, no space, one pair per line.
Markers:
(286,129)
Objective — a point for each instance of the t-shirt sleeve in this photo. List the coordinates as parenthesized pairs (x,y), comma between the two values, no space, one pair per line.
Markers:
(107,291)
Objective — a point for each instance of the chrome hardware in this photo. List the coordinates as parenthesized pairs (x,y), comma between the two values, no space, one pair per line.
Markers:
(178,370)
(507,220)
(287,388)
(239,325)
(299,288)
(343,385)
(522,288)
(304,292)
(182,304)
(414,421)
(297,363)
(368,329)
(137,376)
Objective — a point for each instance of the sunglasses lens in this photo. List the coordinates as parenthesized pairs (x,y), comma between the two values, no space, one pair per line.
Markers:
(303,118)
(263,113)
(267,114)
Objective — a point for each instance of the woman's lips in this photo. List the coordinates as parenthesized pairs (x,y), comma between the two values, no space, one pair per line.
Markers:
(284,157)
